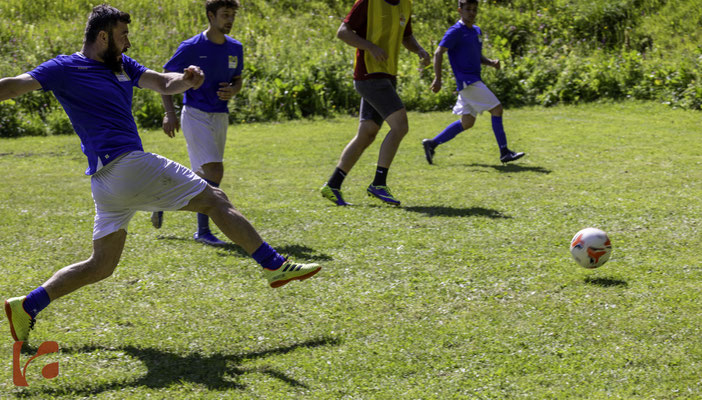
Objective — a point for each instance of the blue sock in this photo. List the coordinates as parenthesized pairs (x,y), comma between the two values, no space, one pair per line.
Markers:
(268,257)
(499,132)
(449,133)
(36,301)
(203,221)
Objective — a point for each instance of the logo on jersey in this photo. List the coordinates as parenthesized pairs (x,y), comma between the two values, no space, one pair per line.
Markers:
(403,20)
(123,77)
(233,62)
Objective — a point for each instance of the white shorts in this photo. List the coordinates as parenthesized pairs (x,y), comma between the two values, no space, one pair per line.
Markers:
(474,99)
(139,181)
(205,134)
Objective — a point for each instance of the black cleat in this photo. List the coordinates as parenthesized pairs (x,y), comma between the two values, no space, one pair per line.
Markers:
(508,155)
(428,150)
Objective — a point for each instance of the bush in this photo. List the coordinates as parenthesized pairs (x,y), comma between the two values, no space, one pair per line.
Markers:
(551,52)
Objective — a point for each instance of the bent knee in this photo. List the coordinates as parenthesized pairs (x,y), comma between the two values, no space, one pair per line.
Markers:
(102,266)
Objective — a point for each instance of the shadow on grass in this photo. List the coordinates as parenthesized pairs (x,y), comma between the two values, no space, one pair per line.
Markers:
(512,168)
(216,371)
(434,211)
(297,252)
(605,282)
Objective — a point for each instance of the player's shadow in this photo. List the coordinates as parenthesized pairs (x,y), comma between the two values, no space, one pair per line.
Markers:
(512,168)
(165,368)
(436,211)
(606,282)
(296,252)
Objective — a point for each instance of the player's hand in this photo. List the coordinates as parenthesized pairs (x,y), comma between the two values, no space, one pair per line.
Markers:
(171,125)
(225,91)
(496,64)
(436,85)
(378,53)
(425,58)
(194,76)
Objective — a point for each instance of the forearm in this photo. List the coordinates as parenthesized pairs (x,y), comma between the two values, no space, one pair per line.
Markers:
(167,101)
(173,83)
(16,86)
(438,62)
(237,84)
(348,36)
(411,44)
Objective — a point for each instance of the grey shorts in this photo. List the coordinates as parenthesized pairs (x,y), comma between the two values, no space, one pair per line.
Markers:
(379,99)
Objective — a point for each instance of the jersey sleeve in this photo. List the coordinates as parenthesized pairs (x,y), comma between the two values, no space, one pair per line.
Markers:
(49,74)
(240,66)
(133,69)
(179,61)
(356,18)
(450,38)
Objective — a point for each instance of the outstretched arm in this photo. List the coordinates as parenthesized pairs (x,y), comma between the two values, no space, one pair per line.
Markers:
(17,86)
(438,60)
(348,36)
(172,82)
(412,45)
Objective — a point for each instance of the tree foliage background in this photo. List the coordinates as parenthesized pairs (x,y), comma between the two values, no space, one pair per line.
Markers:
(552,51)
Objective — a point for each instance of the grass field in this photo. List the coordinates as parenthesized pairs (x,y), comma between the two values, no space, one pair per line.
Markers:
(466,291)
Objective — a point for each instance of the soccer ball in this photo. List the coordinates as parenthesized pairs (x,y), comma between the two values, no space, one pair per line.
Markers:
(590,248)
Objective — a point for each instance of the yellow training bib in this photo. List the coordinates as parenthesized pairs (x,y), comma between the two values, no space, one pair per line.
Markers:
(386,28)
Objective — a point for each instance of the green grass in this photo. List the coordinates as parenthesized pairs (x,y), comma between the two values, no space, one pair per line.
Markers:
(466,291)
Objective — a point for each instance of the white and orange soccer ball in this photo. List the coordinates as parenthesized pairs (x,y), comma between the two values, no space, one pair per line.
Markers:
(591,248)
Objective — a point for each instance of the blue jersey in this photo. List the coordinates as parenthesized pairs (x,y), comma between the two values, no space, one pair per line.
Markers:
(219,62)
(465,46)
(98,102)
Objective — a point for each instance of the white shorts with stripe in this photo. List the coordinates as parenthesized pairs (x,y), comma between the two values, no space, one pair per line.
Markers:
(138,181)
(474,99)
(205,134)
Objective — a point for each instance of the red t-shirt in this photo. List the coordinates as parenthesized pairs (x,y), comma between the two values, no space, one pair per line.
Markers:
(357,20)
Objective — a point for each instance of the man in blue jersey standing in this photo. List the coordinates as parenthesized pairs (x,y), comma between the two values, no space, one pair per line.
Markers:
(205,116)
(464,44)
(94,86)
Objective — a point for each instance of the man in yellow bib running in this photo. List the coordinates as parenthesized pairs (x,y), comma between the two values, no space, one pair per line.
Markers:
(376,28)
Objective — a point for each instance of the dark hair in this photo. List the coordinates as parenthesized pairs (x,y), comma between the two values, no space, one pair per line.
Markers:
(463,3)
(103,18)
(214,5)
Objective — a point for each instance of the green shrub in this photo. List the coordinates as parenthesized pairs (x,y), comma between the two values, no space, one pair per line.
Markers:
(551,52)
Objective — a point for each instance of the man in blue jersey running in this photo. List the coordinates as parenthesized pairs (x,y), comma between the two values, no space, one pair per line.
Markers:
(205,116)
(94,86)
(464,44)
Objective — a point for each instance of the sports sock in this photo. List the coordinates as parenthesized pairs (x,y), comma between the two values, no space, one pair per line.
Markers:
(336,179)
(268,257)
(448,133)
(36,301)
(381,176)
(203,221)
(499,132)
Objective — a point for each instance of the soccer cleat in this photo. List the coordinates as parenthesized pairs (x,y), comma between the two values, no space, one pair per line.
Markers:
(333,195)
(208,239)
(157,219)
(509,155)
(382,193)
(290,271)
(20,322)
(429,150)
